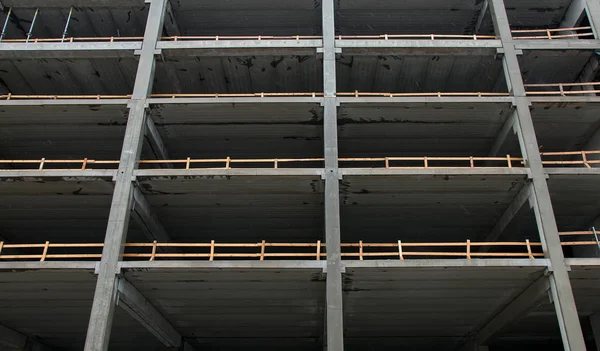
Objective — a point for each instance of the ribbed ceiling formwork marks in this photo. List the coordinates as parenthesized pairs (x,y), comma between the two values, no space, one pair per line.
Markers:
(576,201)
(237,17)
(34,212)
(240,74)
(531,14)
(360,17)
(85,22)
(426,208)
(52,305)
(69,76)
(62,132)
(419,129)
(419,74)
(426,302)
(211,307)
(239,209)
(547,66)
(565,127)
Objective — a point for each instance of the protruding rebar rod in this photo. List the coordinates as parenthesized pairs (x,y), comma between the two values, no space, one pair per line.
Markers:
(32,24)
(67,25)
(5,24)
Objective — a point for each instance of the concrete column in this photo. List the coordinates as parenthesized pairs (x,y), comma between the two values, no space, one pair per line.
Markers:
(564,301)
(335,318)
(99,327)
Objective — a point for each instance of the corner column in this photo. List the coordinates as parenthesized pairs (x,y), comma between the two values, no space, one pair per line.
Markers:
(335,318)
(100,324)
(560,284)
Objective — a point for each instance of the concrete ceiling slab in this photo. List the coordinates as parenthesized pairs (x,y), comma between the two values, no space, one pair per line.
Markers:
(241,130)
(426,208)
(420,129)
(223,309)
(420,73)
(239,209)
(62,132)
(439,312)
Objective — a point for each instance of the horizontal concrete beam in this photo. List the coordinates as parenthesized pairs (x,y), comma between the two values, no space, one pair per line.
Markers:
(516,308)
(68,50)
(224,47)
(62,102)
(69,3)
(251,172)
(132,301)
(48,265)
(435,171)
(66,175)
(418,47)
(421,99)
(443,263)
(580,44)
(12,339)
(571,171)
(191,264)
(236,100)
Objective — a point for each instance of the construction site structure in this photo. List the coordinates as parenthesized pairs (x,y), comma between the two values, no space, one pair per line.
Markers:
(300,175)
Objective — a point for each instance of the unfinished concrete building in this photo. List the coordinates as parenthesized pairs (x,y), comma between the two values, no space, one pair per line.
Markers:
(299,175)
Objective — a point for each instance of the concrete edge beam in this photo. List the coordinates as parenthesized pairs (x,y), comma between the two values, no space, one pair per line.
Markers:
(66,175)
(69,50)
(434,171)
(579,44)
(238,44)
(245,264)
(431,99)
(446,263)
(48,265)
(250,172)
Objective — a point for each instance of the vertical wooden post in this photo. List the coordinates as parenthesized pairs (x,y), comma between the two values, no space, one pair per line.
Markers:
(187,163)
(585,161)
(153,250)
(318,250)
(1,246)
(529,249)
(262,251)
(42,163)
(84,164)
(509,161)
(45,251)
(400,250)
(360,250)
(468,249)
(212,250)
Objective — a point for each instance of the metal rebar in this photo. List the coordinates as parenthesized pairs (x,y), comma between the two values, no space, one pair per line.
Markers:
(37,10)
(5,24)
(67,25)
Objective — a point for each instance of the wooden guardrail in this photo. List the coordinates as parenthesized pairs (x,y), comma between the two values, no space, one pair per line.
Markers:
(266,250)
(508,161)
(560,89)
(549,33)
(269,250)
(275,163)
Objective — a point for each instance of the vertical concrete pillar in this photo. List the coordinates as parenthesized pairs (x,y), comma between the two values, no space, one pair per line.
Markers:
(564,301)
(334,319)
(99,327)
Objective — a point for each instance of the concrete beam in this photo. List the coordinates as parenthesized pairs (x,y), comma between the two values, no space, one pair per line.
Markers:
(132,301)
(574,14)
(224,47)
(513,310)
(21,51)
(13,339)
(417,47)
(509,125)
(222,265)
(141,211)
(234,100)
(170,23)
(447,263)
(241,172)
(68,3)
(522,197)
(580,44)
(155,140)
(421,99)
(481,17)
